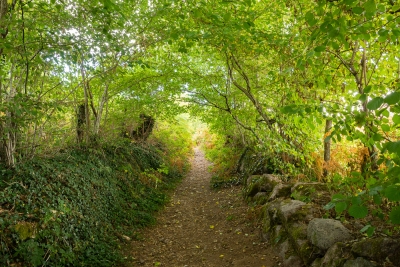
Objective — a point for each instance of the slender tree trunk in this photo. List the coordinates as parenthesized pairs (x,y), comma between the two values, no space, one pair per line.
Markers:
(7,124)
(86,123)
(327,146)
(102,103)
(9,127)
(80,123)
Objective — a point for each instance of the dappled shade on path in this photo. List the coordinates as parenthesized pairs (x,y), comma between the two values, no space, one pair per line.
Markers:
(203,227)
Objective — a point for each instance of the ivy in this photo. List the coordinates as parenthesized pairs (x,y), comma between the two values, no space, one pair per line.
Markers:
(85,198)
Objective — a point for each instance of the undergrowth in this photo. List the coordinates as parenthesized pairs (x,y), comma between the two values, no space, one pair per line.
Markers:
(74,209)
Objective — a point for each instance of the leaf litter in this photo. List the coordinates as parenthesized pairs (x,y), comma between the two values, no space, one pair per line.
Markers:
(203,227)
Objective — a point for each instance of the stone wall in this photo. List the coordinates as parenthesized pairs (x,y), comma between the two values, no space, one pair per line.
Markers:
(292,221)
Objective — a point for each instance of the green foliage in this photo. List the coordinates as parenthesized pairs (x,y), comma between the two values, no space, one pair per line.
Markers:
(71,209)
(176,139)
(224,158)
(264,75)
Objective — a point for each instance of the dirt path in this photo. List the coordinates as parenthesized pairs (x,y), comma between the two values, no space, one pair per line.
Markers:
(203,227)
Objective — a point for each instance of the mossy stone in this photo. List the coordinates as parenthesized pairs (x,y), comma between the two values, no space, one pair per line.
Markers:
(25,230)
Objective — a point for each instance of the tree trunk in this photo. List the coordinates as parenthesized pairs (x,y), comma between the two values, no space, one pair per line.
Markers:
(327,146)
(80,123)
(99,113)
(86,113)
(143,131)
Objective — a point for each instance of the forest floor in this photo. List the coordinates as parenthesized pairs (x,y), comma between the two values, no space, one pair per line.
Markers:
(202,226)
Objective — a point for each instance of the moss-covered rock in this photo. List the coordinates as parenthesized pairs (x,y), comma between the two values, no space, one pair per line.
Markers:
(261,198)
(316,262)
(25,230)
(336,255)
(277,234)
(260,183)
(359,262)
(323,233)
(378,249)
(311,192)
(281,191)
(297,233)
(293,261)
(293,210)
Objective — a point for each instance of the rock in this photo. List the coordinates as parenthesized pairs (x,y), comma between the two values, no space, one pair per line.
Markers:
(311,192)
(293,261)
(280,190)
(316,263)
(127,238)
(275,235)
(261,198)
(261,183)
(359,262)
(378,249)
(297,233)
(336,255)
(284,249)
(270,215)
(25,230)
(290,208)
(278,233)
(323,233)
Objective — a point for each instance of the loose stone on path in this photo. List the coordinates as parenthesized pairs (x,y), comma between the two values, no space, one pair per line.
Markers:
(203,227)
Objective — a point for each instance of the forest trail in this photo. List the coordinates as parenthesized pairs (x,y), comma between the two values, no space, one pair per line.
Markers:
(203,227)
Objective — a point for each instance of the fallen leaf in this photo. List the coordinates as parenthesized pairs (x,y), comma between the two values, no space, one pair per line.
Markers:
(211,226)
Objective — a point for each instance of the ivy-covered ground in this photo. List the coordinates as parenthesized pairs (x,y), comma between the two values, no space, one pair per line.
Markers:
(77,207)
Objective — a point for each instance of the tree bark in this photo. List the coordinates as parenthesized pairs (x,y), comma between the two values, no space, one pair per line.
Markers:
(80,123)
(99,113)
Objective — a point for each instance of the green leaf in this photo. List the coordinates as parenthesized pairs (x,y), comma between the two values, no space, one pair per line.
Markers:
(385,128)
(368,229)
(182,49)
(377,137)
(358,10)
(367,89)
(383,32)
(310,18)
(358,211)
(329,206)
(320,48)
(227,16)
(394,215)
(335,46)
(375,103)
(340,207)
(377,199)
(370,6)
(392,192)
(336,197)
(393,147)
(396,32)
(349,2)
(395,8)
(289,109)
(396,119)
(356,200)
(393,98)
(363,98)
